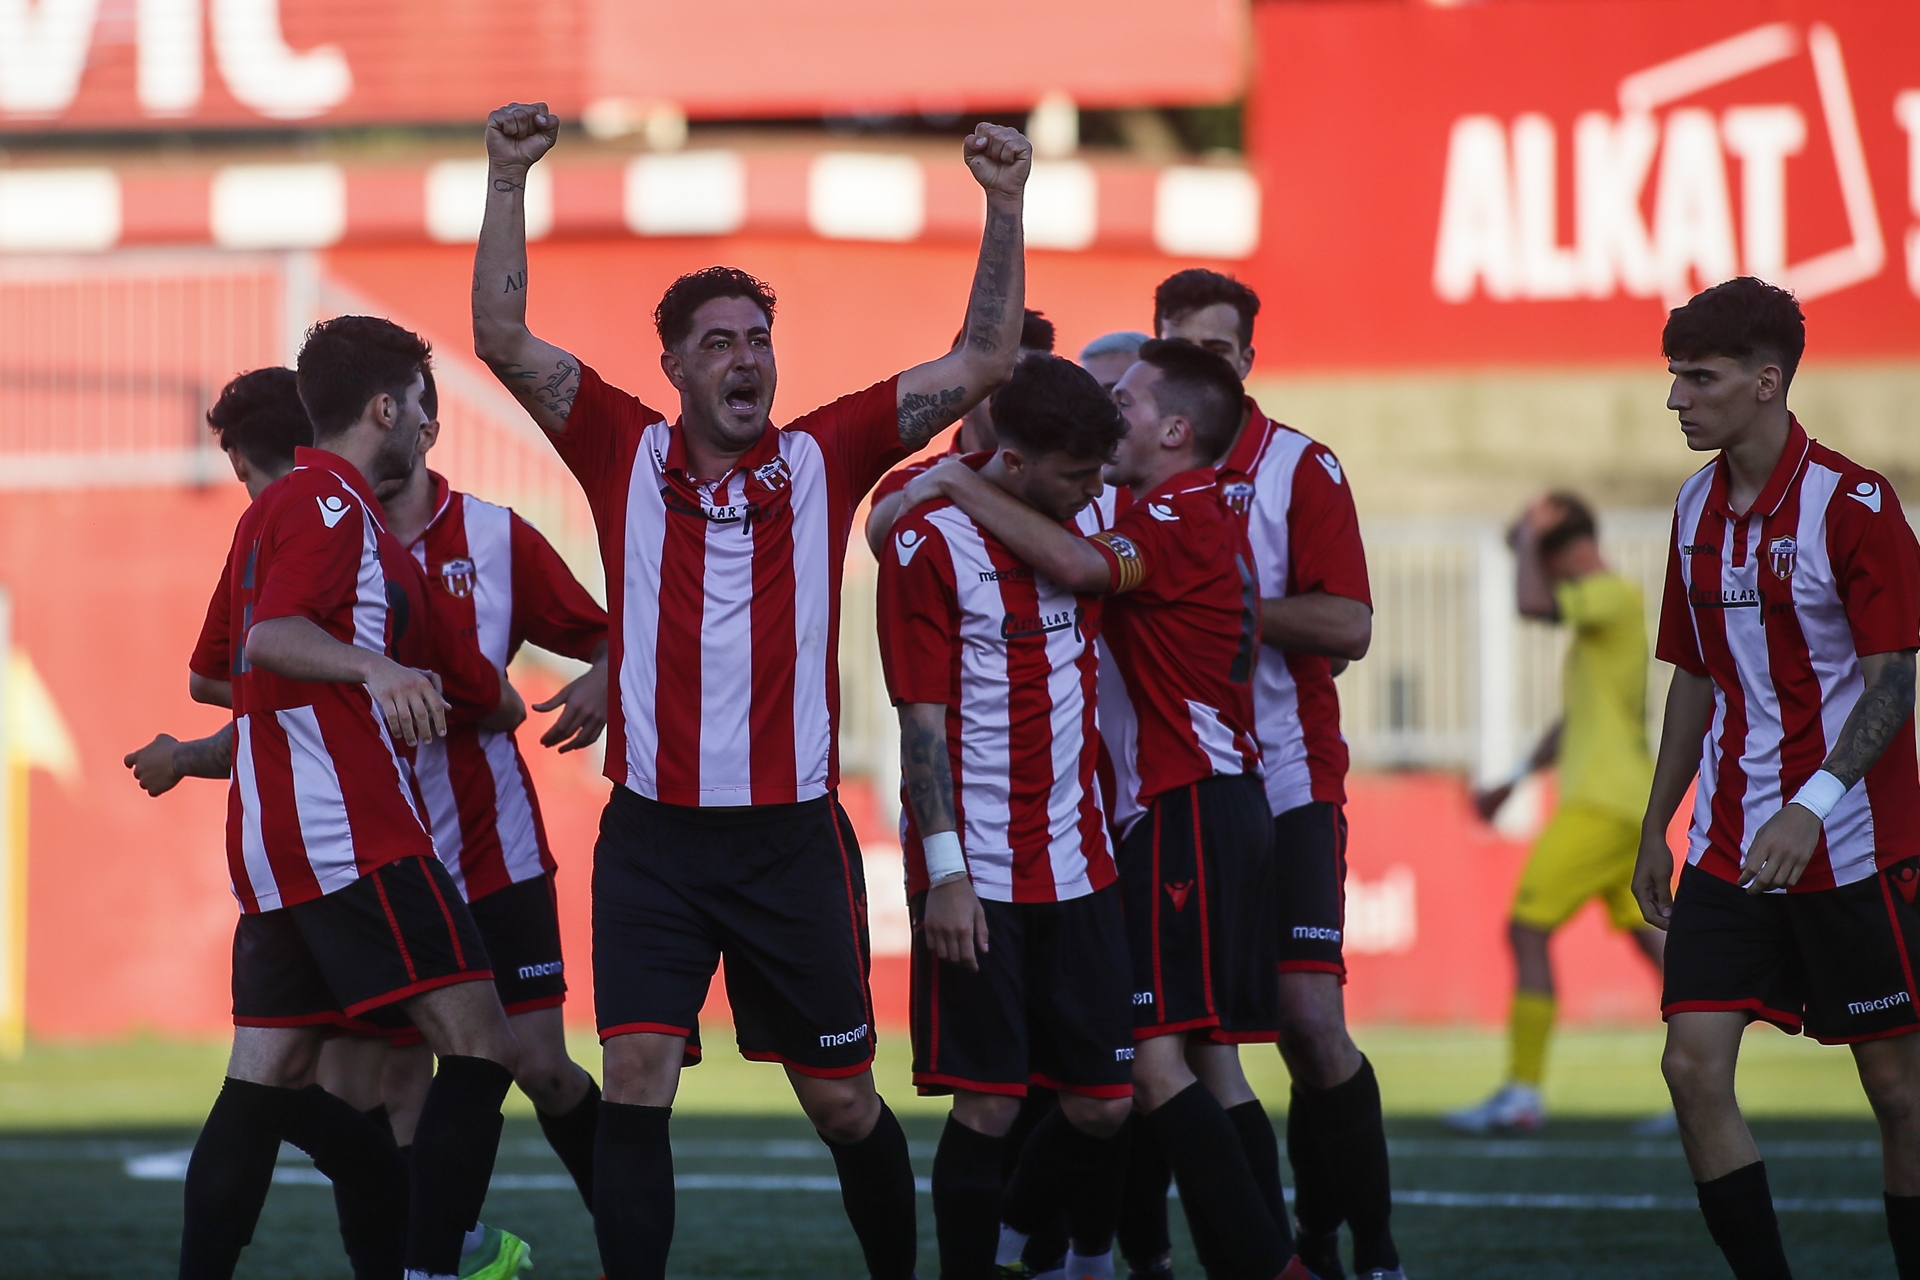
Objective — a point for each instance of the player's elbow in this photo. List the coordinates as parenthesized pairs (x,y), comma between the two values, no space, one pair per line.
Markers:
(209,692)
(1355,635)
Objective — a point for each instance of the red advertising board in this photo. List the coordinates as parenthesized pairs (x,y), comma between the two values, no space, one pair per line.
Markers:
(1536,182)
(246,63)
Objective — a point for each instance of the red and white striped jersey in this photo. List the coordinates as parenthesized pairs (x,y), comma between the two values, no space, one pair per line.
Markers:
(1306,537)
(725,594)
(1777,606)
(319,796)
(1183,625)
(501,584)
(1011,654)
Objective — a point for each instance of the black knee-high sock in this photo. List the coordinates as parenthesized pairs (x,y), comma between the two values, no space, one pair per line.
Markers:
(1739,1213)
(1216,1182)
(876,1185)
(1046,1236)
(1035,1185)
(1255,1127)
(633,1191)
(1096,1169)
(380,1116)
(966,1201)
(1350,1137)
(1144,1239)
(572,1137)
(228,1176)
(1316,1208)
(1903,1229)
(369,1179)
(453,1151)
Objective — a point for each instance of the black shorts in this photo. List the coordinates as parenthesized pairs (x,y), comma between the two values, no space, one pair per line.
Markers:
(1196,878)
(1836,963)
(521,926)
(1049,1006)
(1310,878)
(397,931)
(778,890)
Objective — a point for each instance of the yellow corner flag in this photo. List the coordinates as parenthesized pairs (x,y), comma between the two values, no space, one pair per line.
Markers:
(33,735)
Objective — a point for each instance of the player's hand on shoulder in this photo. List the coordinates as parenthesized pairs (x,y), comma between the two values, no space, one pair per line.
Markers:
(955,924)
(153,766)
(409,700)
(1781,850)
(521,132)
(1653,879)
(1000,158)
(582,704)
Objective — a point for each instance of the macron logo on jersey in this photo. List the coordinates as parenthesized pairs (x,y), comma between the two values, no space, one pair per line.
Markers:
(1867,494)
(907,543)
(333,509)
(1330,464)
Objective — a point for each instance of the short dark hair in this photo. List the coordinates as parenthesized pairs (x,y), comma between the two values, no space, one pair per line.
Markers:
(1036,332)
(1576,522)
(1199,386)
(260,416)
(1185,292)
(429,396)
(1741,319)
(674,316)
(348,360)
(1052,405)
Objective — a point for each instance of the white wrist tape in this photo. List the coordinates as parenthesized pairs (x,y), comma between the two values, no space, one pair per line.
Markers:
(945,862)
(1819,794)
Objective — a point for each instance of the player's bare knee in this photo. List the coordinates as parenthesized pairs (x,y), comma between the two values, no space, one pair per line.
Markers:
(1694,1078)
(841,1111)
(1891,1079)
(642,1070)
(990,1113)
(1097,1117)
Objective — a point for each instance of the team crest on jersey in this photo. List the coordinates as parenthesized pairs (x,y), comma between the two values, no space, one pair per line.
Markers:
(1781,554)
(774,475)
(457,576)
(1239,497)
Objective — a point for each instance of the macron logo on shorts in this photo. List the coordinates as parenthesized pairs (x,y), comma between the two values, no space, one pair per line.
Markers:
(844,1037)
(1316,933)
(1123,1055)
(1143,997)
(548,969)
(1884,1002)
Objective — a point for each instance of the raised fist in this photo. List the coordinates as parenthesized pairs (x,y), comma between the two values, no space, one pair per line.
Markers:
(1000,158)
(521,132)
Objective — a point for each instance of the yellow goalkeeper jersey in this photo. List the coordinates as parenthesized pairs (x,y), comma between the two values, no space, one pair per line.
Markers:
(1604,761)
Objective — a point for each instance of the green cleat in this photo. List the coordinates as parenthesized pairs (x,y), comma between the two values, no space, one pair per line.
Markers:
(502,1256)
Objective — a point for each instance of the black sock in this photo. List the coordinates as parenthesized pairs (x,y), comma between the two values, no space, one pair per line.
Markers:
(1143,1201)
(1255,1127)
(1903,1229)
(1069,1178)
(1350,1136)
(876,1185)
(369,1179)
(1046,1235)
(1095,1169)
(572,1136)
(1216,1182)
(633,1190)
(380,1116)
(1315,1207)
(966,1201)
(1034,1198)
(1739,1213)
(228,1176)
(453,1151)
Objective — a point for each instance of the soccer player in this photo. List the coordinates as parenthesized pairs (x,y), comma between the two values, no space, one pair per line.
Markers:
(504,585)
(1110,355)
(345,908)
(1791,615)
(1316,615)
(975,434)
(1196,868)
(1020,964)
(1600,744)
(723,539)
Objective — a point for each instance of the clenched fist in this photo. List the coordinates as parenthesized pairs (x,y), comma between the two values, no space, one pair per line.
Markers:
(520,133)
(1000,159)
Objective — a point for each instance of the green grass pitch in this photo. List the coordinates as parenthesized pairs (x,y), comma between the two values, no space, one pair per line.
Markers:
(1583,1199)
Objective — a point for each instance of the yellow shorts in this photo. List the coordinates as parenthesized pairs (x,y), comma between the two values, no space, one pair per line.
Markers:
(1583,853)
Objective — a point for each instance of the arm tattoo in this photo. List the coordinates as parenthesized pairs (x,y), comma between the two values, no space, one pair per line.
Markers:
(555,395)
(929,776)
(209,757)
(516,281)
(922,415)
(992,283)
(1883,710)
(508,184)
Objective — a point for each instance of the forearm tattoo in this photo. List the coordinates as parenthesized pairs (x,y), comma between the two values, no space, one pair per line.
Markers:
(922,415)
(929,776)
(993,281)
(551,389)
(209,757)
(1883,710)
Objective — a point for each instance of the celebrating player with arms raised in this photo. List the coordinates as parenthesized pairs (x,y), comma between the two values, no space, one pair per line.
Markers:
(723,540)
(1792,614)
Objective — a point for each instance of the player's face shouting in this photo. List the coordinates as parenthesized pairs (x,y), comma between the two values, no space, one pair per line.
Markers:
(1719,399)
(725,372)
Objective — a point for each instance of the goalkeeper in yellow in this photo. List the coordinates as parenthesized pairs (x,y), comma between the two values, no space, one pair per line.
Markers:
(1600,747)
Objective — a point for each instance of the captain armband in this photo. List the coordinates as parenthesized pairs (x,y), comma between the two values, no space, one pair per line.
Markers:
(1129,569)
